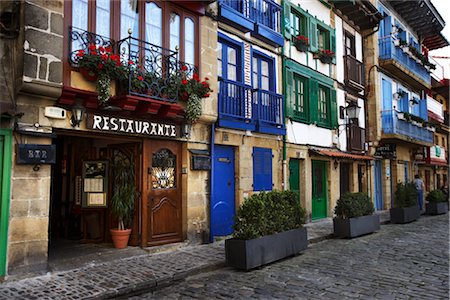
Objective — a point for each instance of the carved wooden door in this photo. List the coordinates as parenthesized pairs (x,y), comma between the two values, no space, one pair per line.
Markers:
(163,192)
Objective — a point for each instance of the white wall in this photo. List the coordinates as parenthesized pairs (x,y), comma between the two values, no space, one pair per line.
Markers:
(299,133)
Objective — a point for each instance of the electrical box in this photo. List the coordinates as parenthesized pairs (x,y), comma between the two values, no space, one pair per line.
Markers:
(55,112)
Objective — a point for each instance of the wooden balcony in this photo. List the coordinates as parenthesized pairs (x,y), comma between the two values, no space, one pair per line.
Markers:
(356,137)
(354,73)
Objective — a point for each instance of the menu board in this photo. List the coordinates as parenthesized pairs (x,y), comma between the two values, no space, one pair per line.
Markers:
(95,183)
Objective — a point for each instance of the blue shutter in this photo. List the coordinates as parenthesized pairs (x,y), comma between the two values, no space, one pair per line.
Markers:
(404,102)
(262,169)
(387,94)
(423,109)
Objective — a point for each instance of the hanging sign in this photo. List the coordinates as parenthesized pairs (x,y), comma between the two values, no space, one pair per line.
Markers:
(131,126)
(386,151)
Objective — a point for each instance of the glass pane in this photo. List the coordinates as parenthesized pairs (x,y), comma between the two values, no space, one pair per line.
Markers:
(231,72)
(264,68)
(231,55)
(189,41)
(174,31)
(103,17)
(129,18)
(219,59)
(80,14)
(153,24)
(265,83)
(163,169)
(255,73)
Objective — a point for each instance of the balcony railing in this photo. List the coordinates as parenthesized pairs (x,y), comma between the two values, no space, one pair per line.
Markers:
(151,71)
(391,124)
(387,50)
(242,107)
(354,72)
(266,12)
(355,138)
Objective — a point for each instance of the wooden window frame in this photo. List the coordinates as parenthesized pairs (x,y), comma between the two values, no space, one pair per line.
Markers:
(301,116)
(352,46)
(166,7)
(303,20)
(321,121)
(229,42)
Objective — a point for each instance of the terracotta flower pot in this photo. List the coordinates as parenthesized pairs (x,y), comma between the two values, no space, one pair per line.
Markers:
(120,237)
(89,75)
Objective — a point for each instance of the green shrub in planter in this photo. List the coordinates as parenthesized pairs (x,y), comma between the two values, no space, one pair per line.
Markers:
(268,213)
(353,205)
(436,196)
(405,195)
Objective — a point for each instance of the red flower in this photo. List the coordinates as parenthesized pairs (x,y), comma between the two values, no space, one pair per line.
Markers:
(184,81)
(184,68)
(196,77)
(130,62)
(206,95)
(104,56)
(140,78)
(92,47)
(100,66)
(80,53)
(108,49)
(206,78)
(101,49)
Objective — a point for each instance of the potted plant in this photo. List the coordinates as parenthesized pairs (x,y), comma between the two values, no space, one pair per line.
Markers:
(405,208)
(100,64)
(301,43)
(123,197)
(437,203)
(268,227)
(354,216)
(325,56)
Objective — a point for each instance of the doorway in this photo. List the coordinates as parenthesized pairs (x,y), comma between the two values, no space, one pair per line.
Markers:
(294,177)
(319,189)
(378,191)
(344,178)
(223,200)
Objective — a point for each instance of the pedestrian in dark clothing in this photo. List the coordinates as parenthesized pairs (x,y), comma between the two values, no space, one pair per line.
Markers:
(419,187)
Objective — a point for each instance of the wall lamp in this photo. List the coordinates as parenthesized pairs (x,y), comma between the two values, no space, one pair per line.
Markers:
(186,130)
(77,115)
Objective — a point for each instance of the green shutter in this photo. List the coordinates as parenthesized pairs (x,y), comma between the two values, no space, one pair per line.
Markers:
(313,101)
(333,109)
(290,98)
(333,43)
(287,19)
(313,34)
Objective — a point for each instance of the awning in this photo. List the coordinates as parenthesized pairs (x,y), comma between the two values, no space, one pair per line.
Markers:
(340,154)
(363,13)
(436,41)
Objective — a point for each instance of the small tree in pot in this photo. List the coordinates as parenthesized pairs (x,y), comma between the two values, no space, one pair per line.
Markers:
(354,216)
(122,200)
(406,208)
(268,227)
(437,203)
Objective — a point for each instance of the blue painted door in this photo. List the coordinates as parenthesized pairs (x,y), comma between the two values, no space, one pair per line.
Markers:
(378,191)
(406,172)
(223,200)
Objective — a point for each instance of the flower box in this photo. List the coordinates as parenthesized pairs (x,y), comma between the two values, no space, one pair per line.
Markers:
(436,208)
(353,227)
(302,47)
(250,254)
(404,214)
(326,59)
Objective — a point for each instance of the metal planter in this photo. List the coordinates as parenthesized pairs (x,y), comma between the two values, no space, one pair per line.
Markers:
(249,254)
(353,227)
(436,208)
(405,214)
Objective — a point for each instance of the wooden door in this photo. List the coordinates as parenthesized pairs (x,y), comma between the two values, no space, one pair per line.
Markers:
(294,177)
(163,216)
(344,178)
(319,189)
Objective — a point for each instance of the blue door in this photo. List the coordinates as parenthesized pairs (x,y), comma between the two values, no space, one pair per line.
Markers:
(378,187)
(223,202)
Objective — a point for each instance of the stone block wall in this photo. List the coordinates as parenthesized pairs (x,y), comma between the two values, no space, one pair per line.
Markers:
(43,45)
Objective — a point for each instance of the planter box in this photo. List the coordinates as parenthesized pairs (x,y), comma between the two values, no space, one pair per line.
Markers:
(249,254)
(353,227)
(405,214)
(326,59)
(301,46)
(436,208)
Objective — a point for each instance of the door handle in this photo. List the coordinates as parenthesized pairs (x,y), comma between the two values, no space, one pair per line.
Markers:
(229,183)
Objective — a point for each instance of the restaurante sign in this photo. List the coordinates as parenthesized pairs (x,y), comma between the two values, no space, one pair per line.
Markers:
(131,126)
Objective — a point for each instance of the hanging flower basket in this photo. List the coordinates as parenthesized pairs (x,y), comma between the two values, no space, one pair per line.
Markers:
(301,43)
(89,75)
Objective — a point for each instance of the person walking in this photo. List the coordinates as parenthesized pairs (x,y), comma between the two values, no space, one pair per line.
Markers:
(420,186)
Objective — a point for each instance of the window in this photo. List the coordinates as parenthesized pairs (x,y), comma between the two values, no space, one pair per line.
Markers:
(174,31)
(298,22)
(189,41)
(103,17)
(153,24)
(323,41)
(324,105)
(350,44)
(229,59)
(262,169)
(300,95)
(263,73)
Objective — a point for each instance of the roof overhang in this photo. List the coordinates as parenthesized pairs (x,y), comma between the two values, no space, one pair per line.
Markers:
(436,41)
(339,154)
(362,13)
(421,16)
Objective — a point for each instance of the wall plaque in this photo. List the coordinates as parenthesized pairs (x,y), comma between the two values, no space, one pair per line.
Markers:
(34,154)
(386,151)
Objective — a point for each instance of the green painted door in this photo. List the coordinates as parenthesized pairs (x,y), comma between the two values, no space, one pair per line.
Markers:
(5,176)
(319,189)
(294,177)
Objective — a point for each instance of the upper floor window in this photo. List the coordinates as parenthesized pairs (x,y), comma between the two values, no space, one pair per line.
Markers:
(299,24)
(229,60)
(349,44)
(324,105)
(323,38)
(301,97)
(263,73)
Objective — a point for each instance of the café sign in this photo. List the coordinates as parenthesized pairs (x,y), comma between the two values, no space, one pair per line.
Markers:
(131,126)
(386,151)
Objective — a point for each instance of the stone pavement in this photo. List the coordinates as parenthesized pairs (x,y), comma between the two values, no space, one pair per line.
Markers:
(401,261)
(132,275)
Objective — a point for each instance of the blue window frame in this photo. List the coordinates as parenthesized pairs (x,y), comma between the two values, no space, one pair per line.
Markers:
(262,169)
(230,59)
(263,72)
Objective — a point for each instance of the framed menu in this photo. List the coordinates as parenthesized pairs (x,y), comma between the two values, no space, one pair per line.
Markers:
(95,183)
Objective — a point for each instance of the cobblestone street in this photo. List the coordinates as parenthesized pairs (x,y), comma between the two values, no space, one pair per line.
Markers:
(398,262)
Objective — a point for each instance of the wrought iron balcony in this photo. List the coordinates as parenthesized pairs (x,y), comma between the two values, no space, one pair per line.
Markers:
(355,138)
(392,125)
(394,59)
(242,107)
(354,73)
(150,71)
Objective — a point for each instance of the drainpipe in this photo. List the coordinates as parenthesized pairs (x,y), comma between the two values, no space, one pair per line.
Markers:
(211,181)
(284,166)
